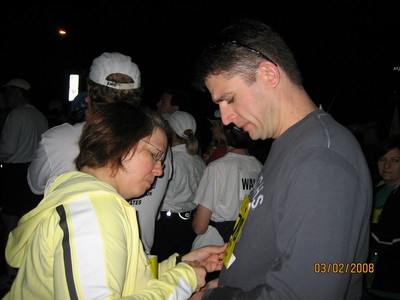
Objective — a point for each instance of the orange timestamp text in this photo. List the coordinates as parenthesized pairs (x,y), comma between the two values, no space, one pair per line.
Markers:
(342,268)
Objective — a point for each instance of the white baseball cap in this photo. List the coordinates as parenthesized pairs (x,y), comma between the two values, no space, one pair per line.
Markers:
(111,63)
(180,121)
(20,83)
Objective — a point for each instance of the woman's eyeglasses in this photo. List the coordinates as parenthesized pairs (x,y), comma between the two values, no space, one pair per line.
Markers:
(159,155)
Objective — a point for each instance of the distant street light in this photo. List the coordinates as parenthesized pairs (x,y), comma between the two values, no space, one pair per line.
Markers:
(62,32)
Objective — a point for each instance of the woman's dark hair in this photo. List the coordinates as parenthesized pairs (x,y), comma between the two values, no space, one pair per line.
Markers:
(386,145)
(112,131)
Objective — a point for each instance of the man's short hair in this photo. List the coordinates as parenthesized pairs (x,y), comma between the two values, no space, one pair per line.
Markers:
(239,50)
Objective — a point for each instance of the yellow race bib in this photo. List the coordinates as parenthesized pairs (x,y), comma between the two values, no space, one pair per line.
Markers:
(229,257)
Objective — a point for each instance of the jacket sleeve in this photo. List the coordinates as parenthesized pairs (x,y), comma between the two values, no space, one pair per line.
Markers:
(105,260)
(178,283)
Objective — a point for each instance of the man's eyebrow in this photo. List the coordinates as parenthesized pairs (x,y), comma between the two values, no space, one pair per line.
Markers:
(222,97)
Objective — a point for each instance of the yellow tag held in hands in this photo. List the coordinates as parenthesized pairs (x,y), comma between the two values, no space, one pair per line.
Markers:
(229,258)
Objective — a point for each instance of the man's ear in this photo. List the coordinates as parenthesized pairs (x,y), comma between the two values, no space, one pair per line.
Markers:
(269,72)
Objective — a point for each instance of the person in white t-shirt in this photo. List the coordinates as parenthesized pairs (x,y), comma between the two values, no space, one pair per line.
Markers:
(113,77)
(174,231)
(19,139)
(224,184)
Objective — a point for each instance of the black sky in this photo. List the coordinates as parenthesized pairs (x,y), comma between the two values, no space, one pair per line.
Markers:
(346,49)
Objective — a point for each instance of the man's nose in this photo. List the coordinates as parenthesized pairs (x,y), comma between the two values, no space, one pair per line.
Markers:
(227,114)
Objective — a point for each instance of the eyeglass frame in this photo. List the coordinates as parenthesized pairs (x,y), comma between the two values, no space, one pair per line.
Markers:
(160,151)
(253,50)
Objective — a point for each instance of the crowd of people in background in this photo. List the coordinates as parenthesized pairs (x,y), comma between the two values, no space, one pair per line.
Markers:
(91,189)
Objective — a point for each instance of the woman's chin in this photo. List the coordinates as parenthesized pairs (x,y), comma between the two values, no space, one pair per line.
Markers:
(144,189)
(139,191)
(135,194)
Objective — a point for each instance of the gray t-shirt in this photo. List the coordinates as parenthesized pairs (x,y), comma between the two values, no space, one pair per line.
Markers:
(311,205)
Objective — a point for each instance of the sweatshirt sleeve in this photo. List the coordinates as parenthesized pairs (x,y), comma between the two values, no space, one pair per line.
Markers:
(177,283)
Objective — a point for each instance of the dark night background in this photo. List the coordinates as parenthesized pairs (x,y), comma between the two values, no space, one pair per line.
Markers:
(348,51)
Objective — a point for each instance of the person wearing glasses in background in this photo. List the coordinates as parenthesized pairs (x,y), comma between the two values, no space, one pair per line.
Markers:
(82,241)
(310,207)
(383,283)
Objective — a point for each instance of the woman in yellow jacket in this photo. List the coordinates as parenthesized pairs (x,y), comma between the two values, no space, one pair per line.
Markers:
(82,240)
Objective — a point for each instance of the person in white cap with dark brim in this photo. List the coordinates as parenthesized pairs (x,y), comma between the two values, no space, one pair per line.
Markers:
(18,83)
(113,77)
(19,139)
(174,231)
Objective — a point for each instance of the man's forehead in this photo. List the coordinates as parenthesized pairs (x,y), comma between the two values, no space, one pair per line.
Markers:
(219,87)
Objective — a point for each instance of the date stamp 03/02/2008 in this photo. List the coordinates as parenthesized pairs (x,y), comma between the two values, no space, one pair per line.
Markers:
(342,268)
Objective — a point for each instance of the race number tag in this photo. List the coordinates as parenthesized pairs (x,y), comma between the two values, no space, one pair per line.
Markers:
(229,257)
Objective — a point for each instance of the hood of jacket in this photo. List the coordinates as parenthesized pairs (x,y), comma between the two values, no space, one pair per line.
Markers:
(65,188)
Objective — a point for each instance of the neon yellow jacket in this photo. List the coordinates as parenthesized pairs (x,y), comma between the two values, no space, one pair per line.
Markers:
(82,242)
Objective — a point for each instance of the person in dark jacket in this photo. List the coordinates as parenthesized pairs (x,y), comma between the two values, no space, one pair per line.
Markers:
(385,228)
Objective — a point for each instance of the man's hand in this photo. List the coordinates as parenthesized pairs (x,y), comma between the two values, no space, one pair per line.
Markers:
(197,296)
(209,257)
(210,285)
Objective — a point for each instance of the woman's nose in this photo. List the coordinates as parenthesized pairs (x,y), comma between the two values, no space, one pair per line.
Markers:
(158,169)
